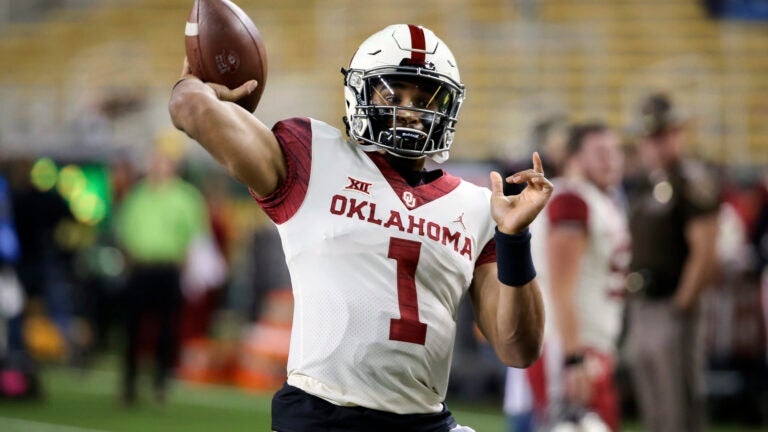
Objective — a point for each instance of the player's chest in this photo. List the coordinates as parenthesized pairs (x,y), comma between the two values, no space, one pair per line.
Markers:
(359,205)
(608,226)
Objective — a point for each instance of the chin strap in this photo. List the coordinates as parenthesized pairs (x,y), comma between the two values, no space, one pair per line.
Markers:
(370,147)
(346,125)
(440,157)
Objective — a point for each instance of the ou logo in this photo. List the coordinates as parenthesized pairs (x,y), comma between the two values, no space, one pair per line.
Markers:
(409,199)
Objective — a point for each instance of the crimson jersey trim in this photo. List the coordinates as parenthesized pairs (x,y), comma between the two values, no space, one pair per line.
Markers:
(421,194)
(295,139)
(487,255)
(568,208)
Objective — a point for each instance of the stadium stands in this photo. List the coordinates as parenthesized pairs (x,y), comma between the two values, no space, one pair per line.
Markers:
(518,59)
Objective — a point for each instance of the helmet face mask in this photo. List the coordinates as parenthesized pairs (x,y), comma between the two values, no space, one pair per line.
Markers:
(402,98)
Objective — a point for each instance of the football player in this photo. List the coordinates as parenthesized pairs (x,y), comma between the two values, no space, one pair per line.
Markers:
(380,250)
(582,244)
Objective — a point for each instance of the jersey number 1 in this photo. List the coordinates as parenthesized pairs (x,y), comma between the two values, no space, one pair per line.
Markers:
(407,328)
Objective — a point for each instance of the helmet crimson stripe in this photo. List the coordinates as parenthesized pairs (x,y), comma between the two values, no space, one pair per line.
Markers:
(417,43)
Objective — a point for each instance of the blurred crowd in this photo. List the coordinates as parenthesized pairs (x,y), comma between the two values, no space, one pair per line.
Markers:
(652,264)
(170,263)
(145,259)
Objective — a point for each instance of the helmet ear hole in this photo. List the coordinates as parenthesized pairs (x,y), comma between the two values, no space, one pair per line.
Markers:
(355,80)
(358,125)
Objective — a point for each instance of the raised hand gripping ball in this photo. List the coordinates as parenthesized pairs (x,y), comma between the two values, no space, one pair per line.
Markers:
(224,46)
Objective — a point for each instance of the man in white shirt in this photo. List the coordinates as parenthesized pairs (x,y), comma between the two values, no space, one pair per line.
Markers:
(581,244)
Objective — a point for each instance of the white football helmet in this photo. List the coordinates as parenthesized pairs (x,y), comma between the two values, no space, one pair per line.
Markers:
(403,93)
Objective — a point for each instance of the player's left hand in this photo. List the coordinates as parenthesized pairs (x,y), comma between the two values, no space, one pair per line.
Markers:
(515,212)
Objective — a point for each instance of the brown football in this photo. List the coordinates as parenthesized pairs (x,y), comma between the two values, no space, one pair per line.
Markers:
(224,46)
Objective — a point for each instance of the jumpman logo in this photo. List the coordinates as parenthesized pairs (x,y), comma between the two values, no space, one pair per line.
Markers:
(460,220)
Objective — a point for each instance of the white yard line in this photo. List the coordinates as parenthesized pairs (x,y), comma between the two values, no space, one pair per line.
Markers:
(19,425)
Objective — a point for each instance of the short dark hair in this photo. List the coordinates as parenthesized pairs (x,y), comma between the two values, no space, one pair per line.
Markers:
(659,115)
(580,131)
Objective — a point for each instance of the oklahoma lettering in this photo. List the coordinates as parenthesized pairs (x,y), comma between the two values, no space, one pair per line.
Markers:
(366,211)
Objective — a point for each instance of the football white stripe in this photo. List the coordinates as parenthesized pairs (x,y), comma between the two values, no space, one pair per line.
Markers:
(191,29)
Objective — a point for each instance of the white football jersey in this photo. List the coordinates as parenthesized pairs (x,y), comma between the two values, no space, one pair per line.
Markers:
(378,269)
(600,285)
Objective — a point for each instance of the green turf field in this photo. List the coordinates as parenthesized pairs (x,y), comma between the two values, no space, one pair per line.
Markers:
(85,401)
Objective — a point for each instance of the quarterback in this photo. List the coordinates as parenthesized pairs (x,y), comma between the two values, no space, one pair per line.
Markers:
(380,250)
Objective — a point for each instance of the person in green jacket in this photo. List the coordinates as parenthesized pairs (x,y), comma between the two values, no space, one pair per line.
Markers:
(156,223)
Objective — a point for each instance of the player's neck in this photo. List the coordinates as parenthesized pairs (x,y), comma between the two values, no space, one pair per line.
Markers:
(402,164)
(412,170)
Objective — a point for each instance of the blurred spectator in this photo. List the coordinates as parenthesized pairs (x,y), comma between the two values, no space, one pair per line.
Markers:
(157,222)
(266,270)
(582,245)
(760,242)
(548,137)
(43,221)
(760,233)
(735,343)
(13,382)
(202,279)
(673,222)
(104,264)
(11,295)
(205,274)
